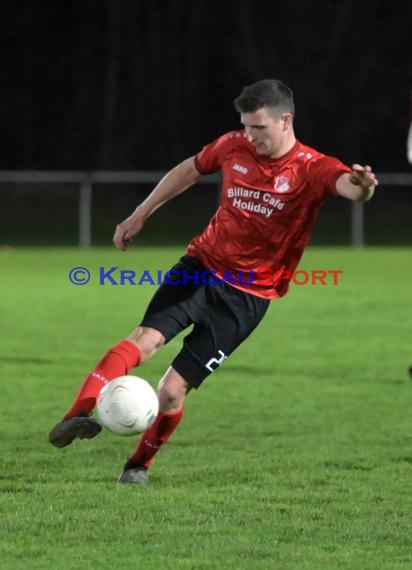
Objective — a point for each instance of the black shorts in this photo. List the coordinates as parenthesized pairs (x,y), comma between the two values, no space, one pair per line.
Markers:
(222,317)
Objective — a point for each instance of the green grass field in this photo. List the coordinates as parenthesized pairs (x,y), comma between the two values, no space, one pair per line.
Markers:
(296,454)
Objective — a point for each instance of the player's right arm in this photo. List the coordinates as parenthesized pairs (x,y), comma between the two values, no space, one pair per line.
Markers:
(172,184)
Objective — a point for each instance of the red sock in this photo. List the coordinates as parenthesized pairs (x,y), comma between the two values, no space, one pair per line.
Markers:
(117,361)
(154,437)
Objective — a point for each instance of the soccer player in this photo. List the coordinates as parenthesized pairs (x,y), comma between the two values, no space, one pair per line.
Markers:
(273,187)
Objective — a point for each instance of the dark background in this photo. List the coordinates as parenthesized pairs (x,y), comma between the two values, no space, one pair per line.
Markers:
(140,85)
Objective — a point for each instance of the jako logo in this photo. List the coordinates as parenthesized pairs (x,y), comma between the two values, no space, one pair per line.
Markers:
(215,362)
(239,168)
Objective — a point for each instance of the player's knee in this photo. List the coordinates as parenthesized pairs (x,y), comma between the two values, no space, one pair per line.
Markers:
(171,393)
(147,340)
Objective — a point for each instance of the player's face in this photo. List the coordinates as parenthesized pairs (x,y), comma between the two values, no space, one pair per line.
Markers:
(266,132)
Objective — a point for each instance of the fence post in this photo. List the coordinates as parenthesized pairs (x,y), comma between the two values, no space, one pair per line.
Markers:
(357,225)
(85,213)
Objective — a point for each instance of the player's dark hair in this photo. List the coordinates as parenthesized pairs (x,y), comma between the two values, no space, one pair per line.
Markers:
(270,93)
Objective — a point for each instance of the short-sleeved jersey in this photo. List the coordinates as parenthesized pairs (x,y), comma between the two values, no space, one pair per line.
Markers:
(267,211)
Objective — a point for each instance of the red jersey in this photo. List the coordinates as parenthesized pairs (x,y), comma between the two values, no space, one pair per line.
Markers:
(267,211)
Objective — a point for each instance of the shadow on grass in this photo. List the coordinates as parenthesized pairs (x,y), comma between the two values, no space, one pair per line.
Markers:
(25,360)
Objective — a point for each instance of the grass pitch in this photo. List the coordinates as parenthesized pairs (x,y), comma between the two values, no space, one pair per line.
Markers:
(296,454)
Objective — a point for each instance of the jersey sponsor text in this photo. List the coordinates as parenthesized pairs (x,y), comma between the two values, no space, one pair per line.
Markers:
(238,192)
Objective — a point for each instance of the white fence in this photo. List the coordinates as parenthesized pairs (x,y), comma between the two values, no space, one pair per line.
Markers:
(86,180)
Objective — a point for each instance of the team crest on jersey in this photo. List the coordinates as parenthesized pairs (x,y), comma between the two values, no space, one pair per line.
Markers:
(281,184)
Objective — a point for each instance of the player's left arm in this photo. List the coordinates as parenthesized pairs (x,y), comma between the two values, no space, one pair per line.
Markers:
(358,185)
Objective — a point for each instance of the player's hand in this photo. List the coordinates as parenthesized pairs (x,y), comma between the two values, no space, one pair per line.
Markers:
(363,176)
(126,230)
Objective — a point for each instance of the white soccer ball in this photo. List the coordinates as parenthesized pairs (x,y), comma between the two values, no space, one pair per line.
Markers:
(127,405)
